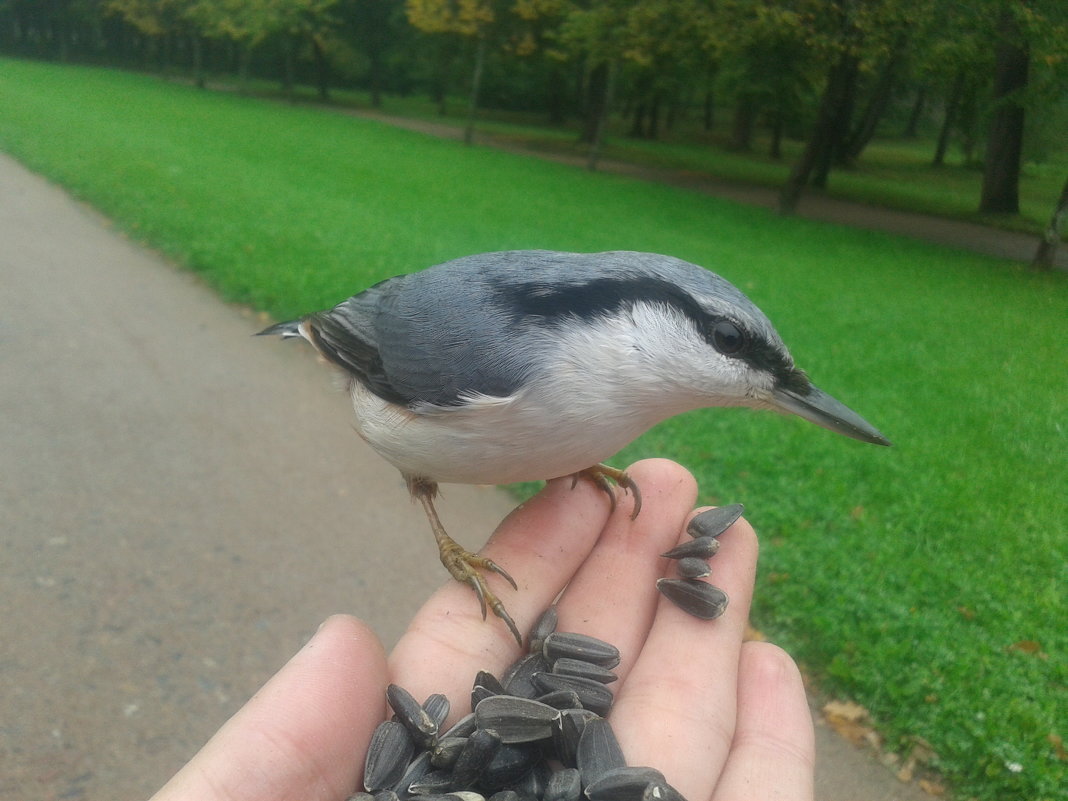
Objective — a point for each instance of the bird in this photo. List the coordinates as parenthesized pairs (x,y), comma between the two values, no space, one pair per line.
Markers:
(530,365)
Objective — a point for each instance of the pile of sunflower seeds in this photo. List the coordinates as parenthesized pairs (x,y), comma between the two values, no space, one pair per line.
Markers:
(539,733)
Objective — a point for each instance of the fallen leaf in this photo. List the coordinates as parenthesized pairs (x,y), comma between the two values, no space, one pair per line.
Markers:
(931,787)
(848,719)
(1058,746)
(1032,647)
(846,710)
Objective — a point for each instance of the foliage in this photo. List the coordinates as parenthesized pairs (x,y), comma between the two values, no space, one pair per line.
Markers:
(772,63)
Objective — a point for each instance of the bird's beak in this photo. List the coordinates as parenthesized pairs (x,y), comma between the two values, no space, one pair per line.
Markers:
(818,407)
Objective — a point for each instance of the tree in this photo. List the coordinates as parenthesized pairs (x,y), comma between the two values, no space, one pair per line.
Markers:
(473,21)
(1004,149)
(1051,237)
(161,20)
(765,67)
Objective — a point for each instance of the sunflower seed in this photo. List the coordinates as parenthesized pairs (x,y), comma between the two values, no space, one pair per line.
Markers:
(623,784)
(593,695)
(701,547)
(516,679)
(516,720)
(533,784)
(583,669)
(486,685)
(560,699)
(388,754)
(598,751)
(714,522)
(542,628)
(436,782)
(436,707)
(360,797)
(697,598)
(478,752)
(385,795)
(411,713)
(564,785)
(692,568)
(566,733)
(505,795)
(464,727)
(511,763)
(446,751)
(417,769)
(559,645)
(661,791)
(465,795)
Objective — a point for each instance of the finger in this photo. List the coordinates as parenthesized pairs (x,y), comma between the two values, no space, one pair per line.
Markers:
(773,754)
(677,710)
(613,596)
(299,736)
(541,544)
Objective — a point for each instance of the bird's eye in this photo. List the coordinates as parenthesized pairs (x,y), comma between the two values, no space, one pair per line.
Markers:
(727,338)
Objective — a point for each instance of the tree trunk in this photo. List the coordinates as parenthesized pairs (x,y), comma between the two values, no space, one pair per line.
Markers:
(956,91)
(287,68)
(476,85)
(322,70)
(1001,171)
(244,62)
(833,149)
(709,111)
(599,116)
(821,142)
(637,126)
(745,111)
(918,107)
(596,93)
(653,131)
(777,125)
(198,61)
(1047,247)
(557,98)
(877,103)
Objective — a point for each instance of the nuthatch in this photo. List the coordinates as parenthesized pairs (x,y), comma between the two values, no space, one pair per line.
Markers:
(530,365)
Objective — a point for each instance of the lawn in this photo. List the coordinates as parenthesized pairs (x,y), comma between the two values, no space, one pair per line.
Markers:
(892,172)
(925,580)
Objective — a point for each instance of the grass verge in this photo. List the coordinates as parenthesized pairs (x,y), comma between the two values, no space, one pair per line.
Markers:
(925,581)
(893,173)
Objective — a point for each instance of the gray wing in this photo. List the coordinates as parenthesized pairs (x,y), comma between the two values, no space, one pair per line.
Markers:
(434,338)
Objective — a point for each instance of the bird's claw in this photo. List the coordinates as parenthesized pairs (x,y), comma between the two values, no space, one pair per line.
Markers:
(468,568)
(603,476)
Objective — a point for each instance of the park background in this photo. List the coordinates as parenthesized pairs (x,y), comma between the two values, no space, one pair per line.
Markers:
(924,582)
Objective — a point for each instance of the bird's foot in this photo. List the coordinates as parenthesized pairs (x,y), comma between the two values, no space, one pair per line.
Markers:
(603,476)
(469,568)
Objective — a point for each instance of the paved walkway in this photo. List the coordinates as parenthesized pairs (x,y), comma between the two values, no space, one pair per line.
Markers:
(179,503)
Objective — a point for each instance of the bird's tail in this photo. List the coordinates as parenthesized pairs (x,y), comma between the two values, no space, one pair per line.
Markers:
(285,330)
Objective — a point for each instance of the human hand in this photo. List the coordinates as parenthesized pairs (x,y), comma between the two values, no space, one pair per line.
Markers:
(722,719)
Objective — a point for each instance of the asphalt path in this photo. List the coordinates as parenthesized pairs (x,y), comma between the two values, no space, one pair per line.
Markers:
(181,504)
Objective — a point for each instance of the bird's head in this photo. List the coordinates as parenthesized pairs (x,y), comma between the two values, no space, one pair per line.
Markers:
(738,358)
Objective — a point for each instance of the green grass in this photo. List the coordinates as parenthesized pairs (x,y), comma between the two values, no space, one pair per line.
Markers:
(895,173)
(900,577)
